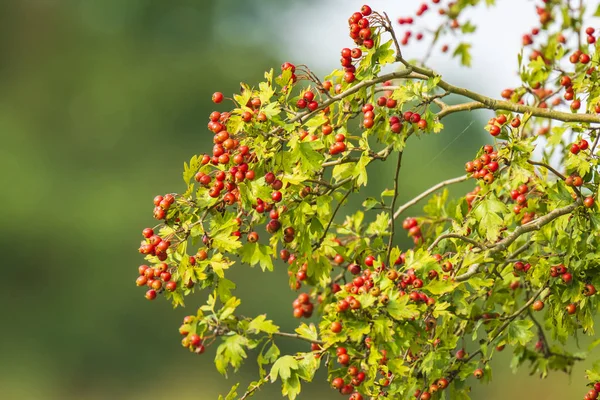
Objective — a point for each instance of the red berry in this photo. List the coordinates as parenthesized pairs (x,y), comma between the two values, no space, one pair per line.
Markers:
(151,294)
(336,327)
(575,148)
(589,201)
(538,305)
(217,97)
(337,383)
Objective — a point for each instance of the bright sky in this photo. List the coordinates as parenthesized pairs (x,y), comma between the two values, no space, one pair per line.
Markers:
(319,32)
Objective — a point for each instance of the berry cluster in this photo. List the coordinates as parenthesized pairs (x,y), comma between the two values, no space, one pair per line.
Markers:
(191,341)
(414,230)
(303,307)
(592,394)
(495,125)
(409,278)
(307,101)
(485,166)
(156,278)
(579,146)
(471,196)
(519,195)
(423,8)
(574,180)
(352,378)
(360,28)
(520,267)
(561,271)
(440,384)
(349,56)
(161,206)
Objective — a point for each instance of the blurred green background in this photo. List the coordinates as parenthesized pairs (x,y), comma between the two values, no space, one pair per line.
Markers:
(100,104)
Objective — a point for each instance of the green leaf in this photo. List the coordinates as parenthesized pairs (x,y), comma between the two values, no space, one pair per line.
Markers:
(487,212)
(307,331)
(291,387)
(370,203)
(232,395)
(256,253)
(283,368)
(468,27)
(231,352)
(520,332)
(438,287)
(190,170)
(219,264)
(224,288)
(380,225)
(385,54)
(360,170)
(400,310)
(463,51)
(262,324)
(309,158)
(229,307)
(221,229)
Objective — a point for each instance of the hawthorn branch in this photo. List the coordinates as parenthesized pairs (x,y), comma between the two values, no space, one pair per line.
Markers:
(320,242)
(499,331)
(493,104)
(514,315)
(254,388)
(351,90)
(426,193)
(472,270)
(296,336)
(548,167)
(392,225)
(447,110)
(541,334)
(388,27)
(534,225)
(380,155)
(454,236)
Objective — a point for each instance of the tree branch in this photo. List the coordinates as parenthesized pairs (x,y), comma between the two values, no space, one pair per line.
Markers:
(529,227)
(253,389)
(392,225)
(511,317)
(447,110)
(296,336)
(454,236)
(494,104)
(348,92)
(548,167)
(318,244)
(534,225)
(426,193)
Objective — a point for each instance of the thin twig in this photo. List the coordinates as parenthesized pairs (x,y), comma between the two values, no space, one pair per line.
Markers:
(392,230)
(426,193)
(454,236)
(320,241)
(493,104)
(548,167)
(253,389)
(296,336)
